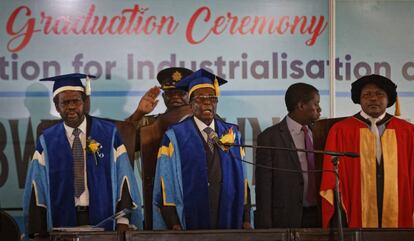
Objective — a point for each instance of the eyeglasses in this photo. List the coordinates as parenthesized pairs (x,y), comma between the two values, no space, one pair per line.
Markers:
(203,98)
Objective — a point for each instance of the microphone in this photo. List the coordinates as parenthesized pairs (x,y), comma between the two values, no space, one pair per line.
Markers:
(214,137)
(115,216)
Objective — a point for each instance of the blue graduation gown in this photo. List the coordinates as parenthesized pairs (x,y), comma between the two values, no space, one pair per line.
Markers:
(181,178)
(50,175)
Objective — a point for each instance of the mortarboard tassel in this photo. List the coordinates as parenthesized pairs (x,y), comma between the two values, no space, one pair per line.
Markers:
(88,86)
(216,87)
(397,111)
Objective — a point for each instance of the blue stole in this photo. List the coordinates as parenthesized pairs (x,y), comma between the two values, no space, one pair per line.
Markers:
(61,175)
(195,178)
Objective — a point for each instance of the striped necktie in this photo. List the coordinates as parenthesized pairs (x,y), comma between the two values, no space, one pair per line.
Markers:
(210,142)
(78,164)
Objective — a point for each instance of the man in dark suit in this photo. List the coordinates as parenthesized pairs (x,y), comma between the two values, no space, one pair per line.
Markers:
(289,199)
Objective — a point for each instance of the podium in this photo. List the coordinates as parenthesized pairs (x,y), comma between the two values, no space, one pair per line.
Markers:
(309,234)
(84,236)
(211,235)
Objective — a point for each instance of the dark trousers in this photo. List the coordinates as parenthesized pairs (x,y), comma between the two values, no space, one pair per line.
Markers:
(311,217)
(82,215)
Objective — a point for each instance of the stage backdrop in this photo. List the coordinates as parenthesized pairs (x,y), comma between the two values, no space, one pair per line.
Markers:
(261,47)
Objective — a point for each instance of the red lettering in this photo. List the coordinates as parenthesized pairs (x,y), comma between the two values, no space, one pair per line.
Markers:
(244,25)
(25,32)
(133,20)
(233,24)
(88,19)
(133,11)
(191,25)
(172,26)
(233,20)
(149,25)
(47,21)
(317,31)
(219,22)
(112,29)
(283,20)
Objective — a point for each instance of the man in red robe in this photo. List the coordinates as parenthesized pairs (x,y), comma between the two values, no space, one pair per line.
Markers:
(377,189)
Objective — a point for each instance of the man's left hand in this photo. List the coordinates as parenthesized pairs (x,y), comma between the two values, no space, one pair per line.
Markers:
(247,225)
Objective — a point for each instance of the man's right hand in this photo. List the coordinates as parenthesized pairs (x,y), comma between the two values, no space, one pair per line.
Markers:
(146,104)
(149,101)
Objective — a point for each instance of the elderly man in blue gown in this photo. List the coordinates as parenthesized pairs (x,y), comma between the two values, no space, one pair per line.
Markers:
(80,173)
(197,184)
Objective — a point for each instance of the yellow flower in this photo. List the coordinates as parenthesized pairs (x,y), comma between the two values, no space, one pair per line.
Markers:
(228,138)
(94,147)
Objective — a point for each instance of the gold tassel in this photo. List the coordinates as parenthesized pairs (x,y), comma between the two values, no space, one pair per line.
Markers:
(88,86)
(216,87)
(397,111)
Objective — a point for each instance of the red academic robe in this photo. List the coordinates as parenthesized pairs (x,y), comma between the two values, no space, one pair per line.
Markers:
(358,175)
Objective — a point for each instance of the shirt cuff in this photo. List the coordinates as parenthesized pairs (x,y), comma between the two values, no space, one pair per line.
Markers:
(122,221)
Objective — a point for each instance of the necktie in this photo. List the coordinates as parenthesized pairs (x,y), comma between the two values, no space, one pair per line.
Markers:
(210,142)
(375,131)
(78,164)
(311,166)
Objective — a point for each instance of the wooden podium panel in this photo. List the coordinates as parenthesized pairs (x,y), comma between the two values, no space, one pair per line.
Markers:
(319,234)
(211,235)
(386,234)
(315,234)
(84,236)
(364,234)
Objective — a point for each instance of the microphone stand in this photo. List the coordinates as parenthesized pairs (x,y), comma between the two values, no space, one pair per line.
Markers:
(335,161)
(330,153)
(114,216)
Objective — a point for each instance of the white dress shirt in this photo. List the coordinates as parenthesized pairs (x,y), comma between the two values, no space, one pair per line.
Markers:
(201,126)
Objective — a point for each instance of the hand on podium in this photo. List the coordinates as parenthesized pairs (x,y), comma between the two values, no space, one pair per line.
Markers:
(247,225)
(176,227)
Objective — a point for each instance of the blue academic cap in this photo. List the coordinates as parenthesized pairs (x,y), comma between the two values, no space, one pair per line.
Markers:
(70,82)
(200,79)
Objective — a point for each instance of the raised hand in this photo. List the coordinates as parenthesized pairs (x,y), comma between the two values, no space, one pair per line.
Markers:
(146,104)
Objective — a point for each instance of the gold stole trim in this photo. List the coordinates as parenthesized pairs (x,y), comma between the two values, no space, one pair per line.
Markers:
(164,195)
(246,186)
(166,150)
(390,158)
(242,153)
(328,195)
(369,210)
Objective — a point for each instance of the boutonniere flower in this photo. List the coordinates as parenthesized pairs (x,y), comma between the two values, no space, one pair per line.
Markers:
(94,147)
(227,139)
